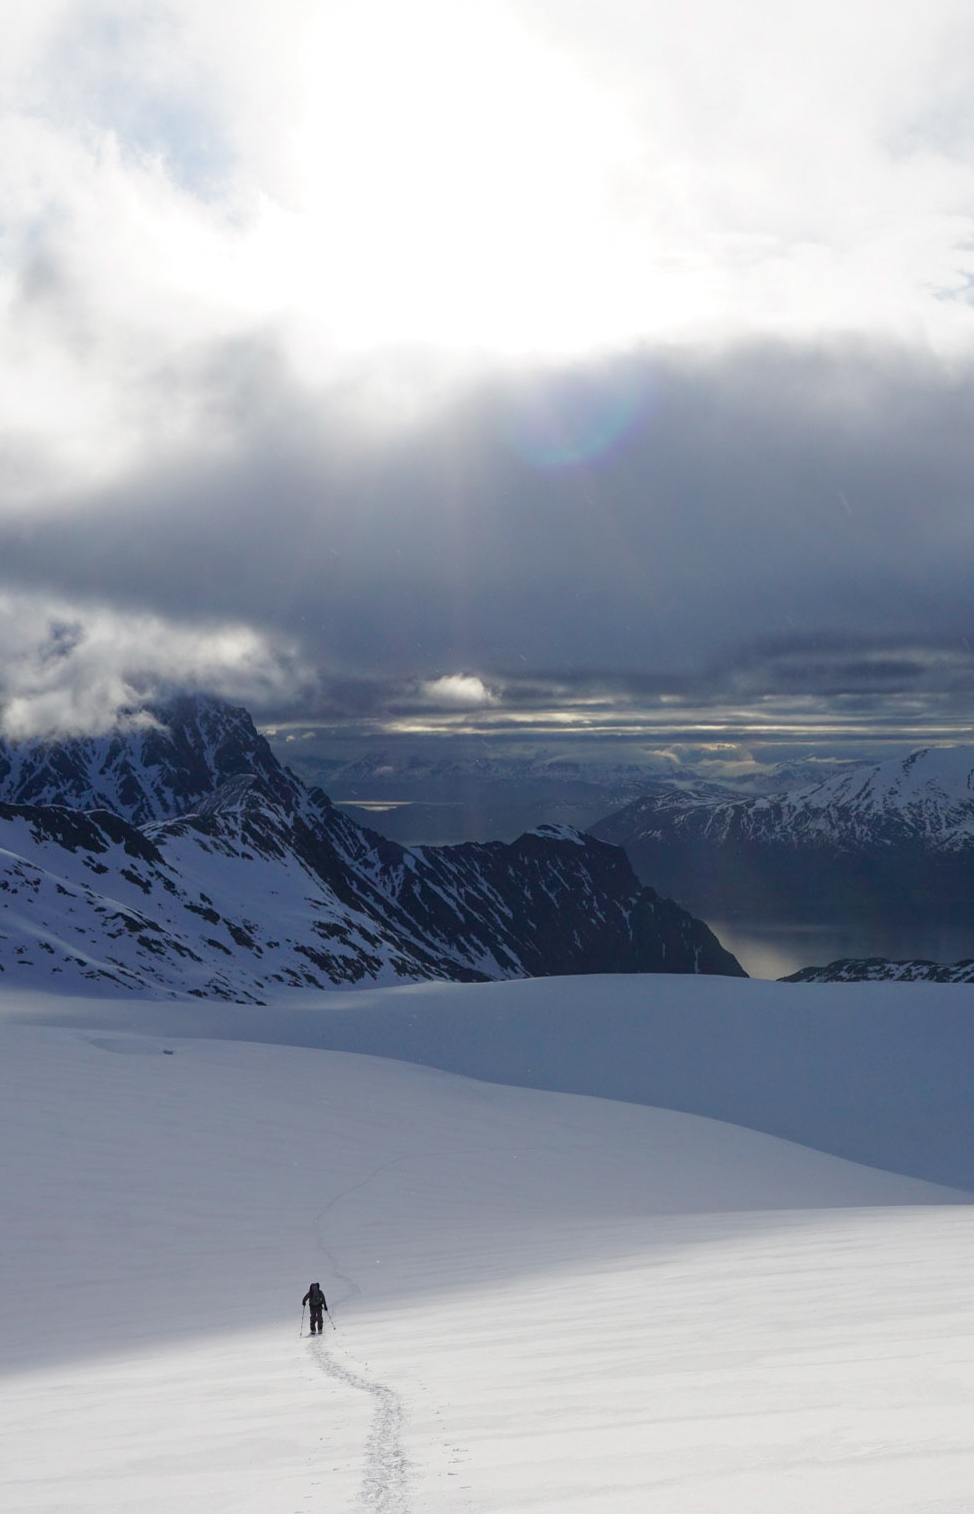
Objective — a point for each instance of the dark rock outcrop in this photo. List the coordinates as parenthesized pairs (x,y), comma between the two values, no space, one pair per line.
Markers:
(879,970)
(245,882)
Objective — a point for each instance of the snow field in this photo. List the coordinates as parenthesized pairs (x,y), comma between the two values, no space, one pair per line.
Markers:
(747,1370)
(878,1073)
(543,1301)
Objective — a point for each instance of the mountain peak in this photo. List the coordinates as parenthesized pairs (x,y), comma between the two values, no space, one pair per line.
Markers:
(164,767)
(204,867)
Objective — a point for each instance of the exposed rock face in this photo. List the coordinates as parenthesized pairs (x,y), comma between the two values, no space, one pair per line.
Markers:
(243,883)
(180,754)
(878,970)
(896,838)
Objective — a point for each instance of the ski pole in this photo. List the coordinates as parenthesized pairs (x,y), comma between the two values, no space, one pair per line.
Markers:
(333,1325)
(301,1331)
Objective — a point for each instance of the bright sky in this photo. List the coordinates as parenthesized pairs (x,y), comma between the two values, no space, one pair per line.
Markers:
(226,219)
(523,178)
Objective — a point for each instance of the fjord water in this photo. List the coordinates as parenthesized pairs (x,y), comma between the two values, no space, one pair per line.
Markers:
(775,948)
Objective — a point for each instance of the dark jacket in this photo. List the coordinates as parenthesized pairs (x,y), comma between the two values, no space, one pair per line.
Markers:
(315,1298)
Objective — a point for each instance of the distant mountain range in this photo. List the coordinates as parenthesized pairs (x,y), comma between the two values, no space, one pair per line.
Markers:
(419,798)
(892,839)
(424,772)
(417,795)
(180,857)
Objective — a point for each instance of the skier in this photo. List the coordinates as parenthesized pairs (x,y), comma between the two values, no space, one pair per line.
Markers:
(316,1299)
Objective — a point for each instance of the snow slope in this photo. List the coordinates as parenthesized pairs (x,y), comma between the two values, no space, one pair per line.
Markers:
(875,1072)
(926,798)
(543,1301)
(243,898)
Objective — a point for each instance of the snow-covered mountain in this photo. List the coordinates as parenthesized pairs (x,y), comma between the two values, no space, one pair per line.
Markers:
(160,765)
(262,884)
(419,773)
(879,970)
(896,834)
(415,792)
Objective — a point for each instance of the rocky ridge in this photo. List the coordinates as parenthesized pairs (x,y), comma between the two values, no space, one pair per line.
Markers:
(180,857)
(879,970)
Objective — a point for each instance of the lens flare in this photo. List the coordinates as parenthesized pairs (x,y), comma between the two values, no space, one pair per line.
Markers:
(575,416)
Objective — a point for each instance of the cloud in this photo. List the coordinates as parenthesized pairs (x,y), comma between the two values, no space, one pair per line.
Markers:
(772,521)
(788,697)
(196,177)
(660,377)
(459,690)
(82,670)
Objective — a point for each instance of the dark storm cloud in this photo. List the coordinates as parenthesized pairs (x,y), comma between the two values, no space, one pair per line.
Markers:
(770,521)
(846,678)
(830,664)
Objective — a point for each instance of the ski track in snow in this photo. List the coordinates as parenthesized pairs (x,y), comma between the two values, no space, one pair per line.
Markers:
(386,1471)
(385,1477)
(578,1303)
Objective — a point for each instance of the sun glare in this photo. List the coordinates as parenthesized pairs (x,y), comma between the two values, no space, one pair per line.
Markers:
(456,185)
(441,179)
